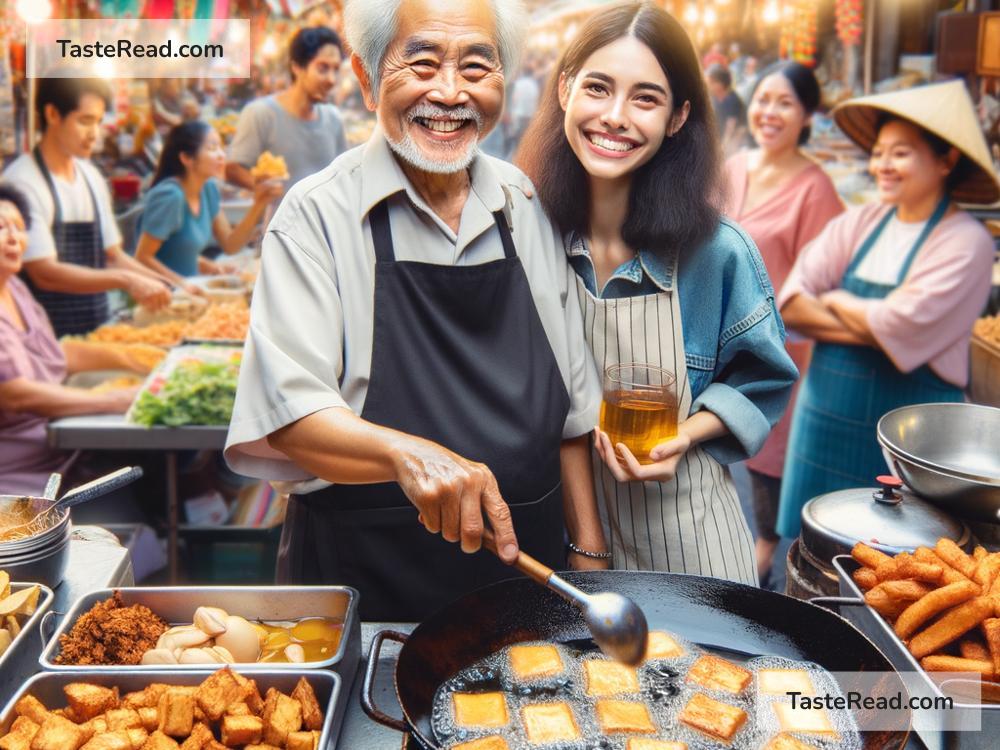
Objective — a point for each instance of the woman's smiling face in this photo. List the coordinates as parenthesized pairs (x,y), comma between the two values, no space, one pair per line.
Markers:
(776,115)
(619,108)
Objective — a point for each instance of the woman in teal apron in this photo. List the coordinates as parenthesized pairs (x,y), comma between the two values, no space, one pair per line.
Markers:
(888,291)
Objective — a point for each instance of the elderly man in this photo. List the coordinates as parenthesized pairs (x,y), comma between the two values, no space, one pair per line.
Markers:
(412,340)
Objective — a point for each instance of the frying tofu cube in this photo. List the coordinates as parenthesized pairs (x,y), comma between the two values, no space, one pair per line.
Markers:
(784,681)
(98,725)
(31,707)
(484,743)
(549,722)
(239,709)
(253,697)
(159,741)
(138,737)
(200,735)
(718,674)
(302,741)
(123,718)
(610,678)
(532,662)
(218,692)
(787,742)
(282,715)
(88,701)
(118,740)
(624,716)
(176,713)
(712,717)
(241,730)
(805,720)
(660,645)
(150,718)
(22,731)
(57,733)
(480,709)
(644,743)
(312,714)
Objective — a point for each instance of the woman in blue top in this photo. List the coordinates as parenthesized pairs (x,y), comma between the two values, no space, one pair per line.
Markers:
(624,157)
(182,215)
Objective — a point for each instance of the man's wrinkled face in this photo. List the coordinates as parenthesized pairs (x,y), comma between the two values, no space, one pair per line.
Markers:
(442,84)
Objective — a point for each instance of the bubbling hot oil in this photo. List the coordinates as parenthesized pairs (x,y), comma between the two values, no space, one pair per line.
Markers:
(663,688)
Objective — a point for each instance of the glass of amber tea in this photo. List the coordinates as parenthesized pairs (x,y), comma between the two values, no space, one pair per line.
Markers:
(639,407)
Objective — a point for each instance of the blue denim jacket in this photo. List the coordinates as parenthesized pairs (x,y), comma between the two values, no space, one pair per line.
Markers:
(734,340)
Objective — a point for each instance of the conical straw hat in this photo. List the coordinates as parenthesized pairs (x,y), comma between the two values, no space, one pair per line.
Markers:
(943,109)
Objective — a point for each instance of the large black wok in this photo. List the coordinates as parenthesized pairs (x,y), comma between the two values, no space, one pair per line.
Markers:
(707,611)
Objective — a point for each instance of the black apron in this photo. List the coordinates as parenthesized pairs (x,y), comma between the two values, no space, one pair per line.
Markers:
(78,242)
(459,357)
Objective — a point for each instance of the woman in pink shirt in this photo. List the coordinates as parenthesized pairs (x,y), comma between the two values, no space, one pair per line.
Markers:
(33,365)
(888,291)
(782,199)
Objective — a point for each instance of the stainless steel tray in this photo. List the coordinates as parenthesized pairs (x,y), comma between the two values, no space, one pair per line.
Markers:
(29,628)
(48,688)
(870,622)
(176,605)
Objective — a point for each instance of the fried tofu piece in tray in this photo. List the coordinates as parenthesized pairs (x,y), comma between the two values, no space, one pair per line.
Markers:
(712,717)
(715,673)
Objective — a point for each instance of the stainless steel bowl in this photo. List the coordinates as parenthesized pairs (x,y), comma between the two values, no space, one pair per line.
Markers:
(47,567)
(965,497)
(957,440)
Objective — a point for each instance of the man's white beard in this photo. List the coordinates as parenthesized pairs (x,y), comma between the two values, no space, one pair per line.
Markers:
(408,151)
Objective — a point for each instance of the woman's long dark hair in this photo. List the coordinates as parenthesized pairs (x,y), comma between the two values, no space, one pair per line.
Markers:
(674,196)
(186,138)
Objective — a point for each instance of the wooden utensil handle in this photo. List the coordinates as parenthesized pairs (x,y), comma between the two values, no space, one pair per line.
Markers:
(528,565)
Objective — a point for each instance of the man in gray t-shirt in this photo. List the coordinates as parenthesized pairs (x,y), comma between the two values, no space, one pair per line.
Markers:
(297,123)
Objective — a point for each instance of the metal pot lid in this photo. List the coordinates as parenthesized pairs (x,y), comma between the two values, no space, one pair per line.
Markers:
(886,518)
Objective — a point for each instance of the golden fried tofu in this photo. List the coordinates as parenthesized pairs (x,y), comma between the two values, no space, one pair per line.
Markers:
(282,716)
(312,714)
(624,717)
(805,720)
(117,740)
(137,736)
(176,712)
(239,709)
(610,677)
(22,731)
(484,743)
(660,645)
(88,701)
(199,737)
(532,662)
(241,730)
(31,707)
(787,742)
(57,733)
(214,744)
(98,725)
(480,709)
(302,741)
(784,681)
(712,717)
(718,674)
(218,692)
(549,722)
(248,747)
(122,718)
(159,741)
(645,743)
(150,718)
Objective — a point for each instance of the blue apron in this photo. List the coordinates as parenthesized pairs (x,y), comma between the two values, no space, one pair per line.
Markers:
(846,391)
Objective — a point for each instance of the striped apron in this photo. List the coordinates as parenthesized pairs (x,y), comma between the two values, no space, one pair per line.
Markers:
(833,445)
(693,523)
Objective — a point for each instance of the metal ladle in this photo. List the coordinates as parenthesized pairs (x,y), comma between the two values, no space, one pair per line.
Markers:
(616,623)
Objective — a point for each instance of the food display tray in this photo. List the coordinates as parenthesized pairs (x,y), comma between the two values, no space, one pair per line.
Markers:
(176,605)
(29,628)
(48,688)
(870,622)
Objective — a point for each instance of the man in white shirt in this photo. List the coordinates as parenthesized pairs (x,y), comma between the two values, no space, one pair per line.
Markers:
(74,253)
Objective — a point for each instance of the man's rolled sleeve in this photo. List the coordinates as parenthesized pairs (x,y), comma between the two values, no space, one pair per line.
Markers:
(585,387)
(292,359)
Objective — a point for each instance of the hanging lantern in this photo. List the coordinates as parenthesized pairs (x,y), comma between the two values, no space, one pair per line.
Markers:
(850,21)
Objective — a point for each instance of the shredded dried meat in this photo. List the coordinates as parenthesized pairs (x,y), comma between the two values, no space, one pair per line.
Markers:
(111,633)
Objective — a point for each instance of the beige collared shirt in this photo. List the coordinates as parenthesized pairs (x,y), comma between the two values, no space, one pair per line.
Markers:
(310,341)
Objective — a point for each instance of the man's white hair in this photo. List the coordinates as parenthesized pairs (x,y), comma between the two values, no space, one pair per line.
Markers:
(370,27)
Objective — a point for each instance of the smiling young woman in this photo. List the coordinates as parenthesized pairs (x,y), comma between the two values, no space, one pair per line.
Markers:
(782,199)
(624,156)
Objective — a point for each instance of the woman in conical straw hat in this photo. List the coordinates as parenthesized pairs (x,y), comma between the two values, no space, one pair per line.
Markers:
(889,291)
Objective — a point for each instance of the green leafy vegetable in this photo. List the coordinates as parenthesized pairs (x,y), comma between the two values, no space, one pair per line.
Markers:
(195,393)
